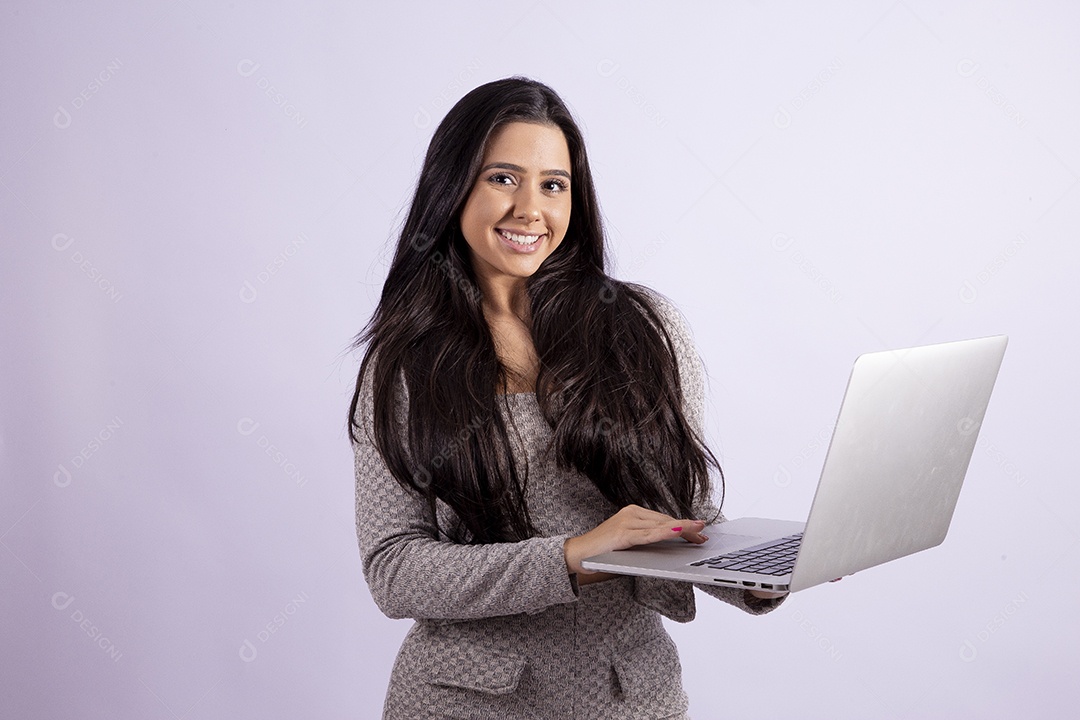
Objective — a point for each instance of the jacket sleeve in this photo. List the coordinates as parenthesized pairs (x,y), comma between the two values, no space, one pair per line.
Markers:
(673,598)
(412,574)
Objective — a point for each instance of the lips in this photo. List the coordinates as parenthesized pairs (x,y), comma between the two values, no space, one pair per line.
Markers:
(520,242)
(520,238)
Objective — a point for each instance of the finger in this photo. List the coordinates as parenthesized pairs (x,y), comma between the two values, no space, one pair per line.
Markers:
(642,531)
(694,536)
(766,595)
(655,521)
(656,533)
(692,531)
(689,529)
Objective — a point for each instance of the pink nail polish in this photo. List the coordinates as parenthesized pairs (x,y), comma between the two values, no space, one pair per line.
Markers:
(678,529)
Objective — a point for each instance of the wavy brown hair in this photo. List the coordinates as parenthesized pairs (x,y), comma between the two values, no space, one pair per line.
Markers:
(608,383)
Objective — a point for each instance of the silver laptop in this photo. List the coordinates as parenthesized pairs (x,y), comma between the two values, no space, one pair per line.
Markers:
(899,452)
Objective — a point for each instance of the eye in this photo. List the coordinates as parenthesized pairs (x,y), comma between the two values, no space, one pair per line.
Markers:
(557,186)
(498,178)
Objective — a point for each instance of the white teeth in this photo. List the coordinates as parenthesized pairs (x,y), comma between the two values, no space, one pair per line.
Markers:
(520,239)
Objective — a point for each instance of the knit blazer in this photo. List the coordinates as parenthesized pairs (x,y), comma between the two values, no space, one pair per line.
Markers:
(503,630)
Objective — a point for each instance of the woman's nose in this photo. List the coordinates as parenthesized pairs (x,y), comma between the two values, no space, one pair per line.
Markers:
(527,205)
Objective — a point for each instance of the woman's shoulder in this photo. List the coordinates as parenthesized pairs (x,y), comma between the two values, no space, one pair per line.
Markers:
(670,315)
(678,329)
(364,392)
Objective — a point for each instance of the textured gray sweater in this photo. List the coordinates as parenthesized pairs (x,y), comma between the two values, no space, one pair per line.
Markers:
(503,630)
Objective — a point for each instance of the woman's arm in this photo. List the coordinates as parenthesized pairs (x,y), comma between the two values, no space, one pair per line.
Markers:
(411,574)
(692,378)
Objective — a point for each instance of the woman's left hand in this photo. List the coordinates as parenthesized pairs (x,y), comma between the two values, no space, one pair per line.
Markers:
(766,594)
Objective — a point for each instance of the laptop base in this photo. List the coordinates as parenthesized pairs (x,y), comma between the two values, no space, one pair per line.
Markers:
(673,558)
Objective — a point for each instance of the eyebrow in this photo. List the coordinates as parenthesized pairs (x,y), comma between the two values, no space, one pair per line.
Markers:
(518,168)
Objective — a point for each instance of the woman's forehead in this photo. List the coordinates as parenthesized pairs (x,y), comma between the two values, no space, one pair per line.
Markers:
(532,146)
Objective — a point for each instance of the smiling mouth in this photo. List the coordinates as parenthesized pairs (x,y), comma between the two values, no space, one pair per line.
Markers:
(518,238)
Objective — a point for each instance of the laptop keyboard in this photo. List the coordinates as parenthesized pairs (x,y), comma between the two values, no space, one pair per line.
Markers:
(775,557)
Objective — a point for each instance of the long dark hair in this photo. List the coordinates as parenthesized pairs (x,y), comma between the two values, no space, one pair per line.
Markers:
(608,383)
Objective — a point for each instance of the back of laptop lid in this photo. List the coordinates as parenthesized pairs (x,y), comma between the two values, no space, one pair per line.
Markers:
(901,447)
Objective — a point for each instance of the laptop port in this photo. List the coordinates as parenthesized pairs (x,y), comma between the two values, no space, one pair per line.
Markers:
(749,583)
(766,586)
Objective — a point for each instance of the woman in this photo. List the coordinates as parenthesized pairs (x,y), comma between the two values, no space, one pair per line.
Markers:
(518,410)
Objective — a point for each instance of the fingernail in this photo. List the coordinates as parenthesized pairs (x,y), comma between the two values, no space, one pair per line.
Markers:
(677,529)
(704,536)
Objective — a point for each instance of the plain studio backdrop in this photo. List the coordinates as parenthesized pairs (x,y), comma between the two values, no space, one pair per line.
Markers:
(199,201)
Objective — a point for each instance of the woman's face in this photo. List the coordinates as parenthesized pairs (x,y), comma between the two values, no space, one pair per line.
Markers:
(518,209)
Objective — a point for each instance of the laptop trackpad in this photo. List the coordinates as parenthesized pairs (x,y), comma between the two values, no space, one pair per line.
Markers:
(746,532)
(728,542)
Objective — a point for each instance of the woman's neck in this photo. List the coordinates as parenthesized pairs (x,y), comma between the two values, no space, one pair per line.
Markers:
(505,301)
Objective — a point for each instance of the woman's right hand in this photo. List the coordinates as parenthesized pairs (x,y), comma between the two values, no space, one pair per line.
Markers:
(633,525)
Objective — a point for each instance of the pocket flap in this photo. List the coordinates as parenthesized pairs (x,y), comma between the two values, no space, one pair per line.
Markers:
(473,668)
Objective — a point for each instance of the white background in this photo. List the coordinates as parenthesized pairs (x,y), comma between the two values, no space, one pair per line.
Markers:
(198,202)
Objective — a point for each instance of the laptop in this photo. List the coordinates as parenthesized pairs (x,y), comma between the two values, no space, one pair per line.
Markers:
(899,452)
